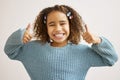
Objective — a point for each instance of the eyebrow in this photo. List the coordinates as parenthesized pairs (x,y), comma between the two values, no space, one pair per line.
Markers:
(54,22)
(63,21)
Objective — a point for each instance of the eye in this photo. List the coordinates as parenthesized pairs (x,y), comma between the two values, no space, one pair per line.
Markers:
(51,24)
(63,23)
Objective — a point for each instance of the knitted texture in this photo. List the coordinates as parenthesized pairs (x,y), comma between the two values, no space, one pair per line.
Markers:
(71,62)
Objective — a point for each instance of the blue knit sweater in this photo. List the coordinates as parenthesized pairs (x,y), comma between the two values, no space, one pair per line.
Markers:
(71,62)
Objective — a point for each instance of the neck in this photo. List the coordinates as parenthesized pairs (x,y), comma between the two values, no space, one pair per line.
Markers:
(54,44)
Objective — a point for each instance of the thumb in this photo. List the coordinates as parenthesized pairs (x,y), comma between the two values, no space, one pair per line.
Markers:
(86,28)
(29,28)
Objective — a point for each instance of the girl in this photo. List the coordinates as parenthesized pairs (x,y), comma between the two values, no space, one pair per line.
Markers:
(57,54)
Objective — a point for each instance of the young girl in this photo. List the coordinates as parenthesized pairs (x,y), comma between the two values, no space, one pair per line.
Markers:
(57,53)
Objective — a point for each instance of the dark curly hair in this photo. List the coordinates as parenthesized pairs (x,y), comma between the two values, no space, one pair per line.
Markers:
(75,21)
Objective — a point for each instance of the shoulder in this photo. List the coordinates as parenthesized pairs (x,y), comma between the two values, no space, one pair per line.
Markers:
(34,44)
(81,47)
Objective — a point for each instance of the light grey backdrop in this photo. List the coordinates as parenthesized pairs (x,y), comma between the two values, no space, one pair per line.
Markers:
(101,16)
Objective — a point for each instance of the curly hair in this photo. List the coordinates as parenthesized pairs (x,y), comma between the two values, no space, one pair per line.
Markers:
(75,21)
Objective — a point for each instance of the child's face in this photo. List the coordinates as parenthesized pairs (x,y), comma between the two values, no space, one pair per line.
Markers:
(58,27)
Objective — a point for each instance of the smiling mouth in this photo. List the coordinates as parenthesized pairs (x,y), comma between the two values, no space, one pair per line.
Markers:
(59,35)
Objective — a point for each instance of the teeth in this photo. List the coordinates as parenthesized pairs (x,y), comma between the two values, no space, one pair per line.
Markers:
(58,35)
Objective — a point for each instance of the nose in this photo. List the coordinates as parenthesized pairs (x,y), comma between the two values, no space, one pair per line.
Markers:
(58,27)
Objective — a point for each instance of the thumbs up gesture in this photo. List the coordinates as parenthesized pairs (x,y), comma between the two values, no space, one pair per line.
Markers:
(90,38)
(27,34)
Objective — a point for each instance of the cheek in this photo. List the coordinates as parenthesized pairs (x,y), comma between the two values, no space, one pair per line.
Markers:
(68,30)
(49,30)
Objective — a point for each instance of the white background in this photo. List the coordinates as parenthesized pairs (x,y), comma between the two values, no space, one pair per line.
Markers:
(101,16)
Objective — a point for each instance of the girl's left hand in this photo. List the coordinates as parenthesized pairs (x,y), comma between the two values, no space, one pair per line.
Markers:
(90,38)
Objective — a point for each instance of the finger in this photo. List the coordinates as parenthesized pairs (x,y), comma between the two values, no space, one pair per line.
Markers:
(85,35)
(89,40)
(86,38)
(26,39)
(86,28)
(28,26)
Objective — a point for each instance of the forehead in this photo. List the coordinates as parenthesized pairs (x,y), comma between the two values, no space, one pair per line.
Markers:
(56,15)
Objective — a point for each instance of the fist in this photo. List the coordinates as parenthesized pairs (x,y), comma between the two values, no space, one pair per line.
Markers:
(27,34)
(90,38)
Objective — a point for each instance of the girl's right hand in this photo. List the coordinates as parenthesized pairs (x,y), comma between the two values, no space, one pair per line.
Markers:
(27,34)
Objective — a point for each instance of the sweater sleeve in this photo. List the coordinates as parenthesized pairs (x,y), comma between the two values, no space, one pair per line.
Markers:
(107,52)
(14,44)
